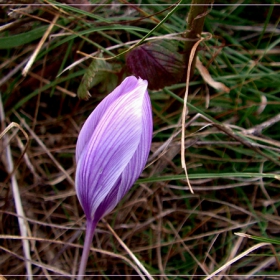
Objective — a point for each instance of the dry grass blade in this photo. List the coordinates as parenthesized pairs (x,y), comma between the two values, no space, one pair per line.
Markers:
(257,130)
(42,41)
(232,254)
(61,89)
(23,224)
(67,176)
(48,267)
(12,72)
(240,256)
(260,267)
(138,263)
(2,134)
(207,77)
(185,109)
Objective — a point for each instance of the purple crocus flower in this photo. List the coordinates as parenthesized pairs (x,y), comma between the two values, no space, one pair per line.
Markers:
(112,150)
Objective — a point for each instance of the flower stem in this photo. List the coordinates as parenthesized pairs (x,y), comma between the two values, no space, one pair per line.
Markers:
(195,21)
(90,228)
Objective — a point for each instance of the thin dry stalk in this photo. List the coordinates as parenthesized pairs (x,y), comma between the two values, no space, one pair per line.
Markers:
(257,130)
(267,262)
(203,71)
(240,256)
(159,238)
(138,263)
(185,109)
(58,165)
(23,224)
(42,41)
(48,267)
(201,265)
(232,254)
(59,88)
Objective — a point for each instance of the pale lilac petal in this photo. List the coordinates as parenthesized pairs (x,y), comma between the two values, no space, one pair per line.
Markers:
(105,149)
(134,168)
(139,159)
(128,85)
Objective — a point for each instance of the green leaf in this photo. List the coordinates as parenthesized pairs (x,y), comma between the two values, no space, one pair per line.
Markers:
(22,39)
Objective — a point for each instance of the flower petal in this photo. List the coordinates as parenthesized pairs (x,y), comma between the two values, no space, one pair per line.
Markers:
(135,166)
(139,159)
(129,84)
(110,146)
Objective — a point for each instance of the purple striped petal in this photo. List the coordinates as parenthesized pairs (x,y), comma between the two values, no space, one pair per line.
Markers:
(130,84)
(134,168)
(113,147)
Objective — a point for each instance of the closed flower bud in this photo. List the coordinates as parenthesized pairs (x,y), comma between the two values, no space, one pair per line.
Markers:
(113,147)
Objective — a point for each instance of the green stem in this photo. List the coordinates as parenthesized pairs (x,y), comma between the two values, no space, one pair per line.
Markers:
(195,21)
(91,225)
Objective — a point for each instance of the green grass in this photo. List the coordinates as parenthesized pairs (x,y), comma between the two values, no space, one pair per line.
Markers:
(233,163)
